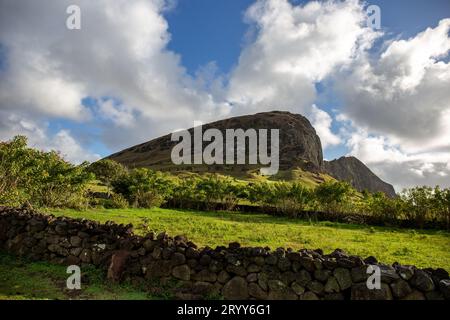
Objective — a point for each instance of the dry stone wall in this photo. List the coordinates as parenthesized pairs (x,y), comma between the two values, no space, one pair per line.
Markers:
(232,272)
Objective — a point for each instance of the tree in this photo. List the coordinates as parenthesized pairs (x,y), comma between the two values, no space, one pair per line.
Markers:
(107,171)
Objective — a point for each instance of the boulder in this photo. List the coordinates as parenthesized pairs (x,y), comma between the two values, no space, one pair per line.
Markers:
(117,266)
(360,291)
(235,289)
(343,277)
(182,272)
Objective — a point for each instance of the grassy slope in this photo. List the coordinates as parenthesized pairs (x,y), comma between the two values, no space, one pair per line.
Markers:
(21,279)
(421,248)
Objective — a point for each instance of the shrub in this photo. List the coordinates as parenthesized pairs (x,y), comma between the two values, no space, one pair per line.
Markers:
(107,171)
(117,201)
(334,196)
(40,178)
(144,187)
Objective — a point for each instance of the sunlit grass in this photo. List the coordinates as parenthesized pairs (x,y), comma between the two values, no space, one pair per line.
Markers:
(406,246)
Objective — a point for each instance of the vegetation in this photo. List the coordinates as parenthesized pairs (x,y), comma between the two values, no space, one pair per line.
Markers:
(40,178)
(423,248)
(21,279)
(44,179)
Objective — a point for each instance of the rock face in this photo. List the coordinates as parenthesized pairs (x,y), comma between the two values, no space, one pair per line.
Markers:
(299,143)
(354,171)
(300,146)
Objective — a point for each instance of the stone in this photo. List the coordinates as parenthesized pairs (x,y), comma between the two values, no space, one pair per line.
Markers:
(303,277)
(359,274)
(223,276)
(235,289)
(72,260)
(75,241)
(262,280)
(332,286)
(252,277)
(360,291)
(177,259)
(400,289)
(422,281)
(371,260)
(284,264)
(322,275)
(192,253)
(255,291)
(434,295)
(405,272)
(149,245)
(205,260)
(316,287)
(117,266)
(157,253)
(343,277)
(259,261)
(271,259)
(309,296)
(253,268)
(205,276)
(297,288)
(444,286)
(203,288)
(237,270)
(279,291)
(388,274)
(288,277)
(182,272)
(308,263)
(86,255)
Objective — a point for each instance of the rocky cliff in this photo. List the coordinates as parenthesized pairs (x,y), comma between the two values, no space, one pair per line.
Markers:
(299,144)
(300,147)
(354,171)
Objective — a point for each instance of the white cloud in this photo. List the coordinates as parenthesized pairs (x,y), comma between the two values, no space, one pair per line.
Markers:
(295,47)
(39,137)
(322,121)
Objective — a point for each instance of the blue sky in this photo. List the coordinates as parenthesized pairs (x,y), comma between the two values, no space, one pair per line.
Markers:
(205,30)
(138,69)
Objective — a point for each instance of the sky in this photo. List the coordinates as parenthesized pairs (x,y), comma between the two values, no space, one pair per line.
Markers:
(138,69)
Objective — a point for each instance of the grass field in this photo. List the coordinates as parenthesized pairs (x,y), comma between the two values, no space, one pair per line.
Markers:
(21,279)
(406,246)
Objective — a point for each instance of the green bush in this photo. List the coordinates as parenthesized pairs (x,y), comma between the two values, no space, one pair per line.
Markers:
(334,196)
(117,201)
(144,187)
(40,178)
(107,171)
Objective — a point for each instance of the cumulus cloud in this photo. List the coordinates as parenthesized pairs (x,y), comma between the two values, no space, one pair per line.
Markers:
(39,137)
(294,47)
(321,121)
(399,106)
(118,55)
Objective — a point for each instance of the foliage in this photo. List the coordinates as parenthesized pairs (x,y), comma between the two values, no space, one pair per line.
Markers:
(40,178)
(107,171)
(334,196)
(144,187)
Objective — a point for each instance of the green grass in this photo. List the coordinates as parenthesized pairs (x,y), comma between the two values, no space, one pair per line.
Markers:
(24,280)
(406,246)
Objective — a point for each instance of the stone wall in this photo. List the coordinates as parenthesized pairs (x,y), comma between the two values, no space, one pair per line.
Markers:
(233,272)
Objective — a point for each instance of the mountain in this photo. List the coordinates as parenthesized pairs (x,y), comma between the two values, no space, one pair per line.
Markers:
(299,144)
(354,171)
(300,153)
